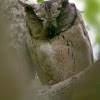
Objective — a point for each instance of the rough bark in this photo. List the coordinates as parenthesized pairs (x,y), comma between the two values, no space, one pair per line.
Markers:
(16,32)
(19,59)
(14,58)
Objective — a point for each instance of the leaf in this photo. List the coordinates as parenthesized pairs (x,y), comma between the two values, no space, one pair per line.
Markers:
(37,79)
(40,0)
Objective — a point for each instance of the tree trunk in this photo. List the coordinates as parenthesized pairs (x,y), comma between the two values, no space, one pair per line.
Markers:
(15,74)
(17,66)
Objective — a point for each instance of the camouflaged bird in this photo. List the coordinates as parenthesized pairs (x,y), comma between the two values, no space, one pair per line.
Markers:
(57,40)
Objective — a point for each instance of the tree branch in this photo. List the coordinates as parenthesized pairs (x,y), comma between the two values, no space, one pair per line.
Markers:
(67,88)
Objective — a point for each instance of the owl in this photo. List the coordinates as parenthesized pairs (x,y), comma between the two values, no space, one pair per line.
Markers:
(57,40)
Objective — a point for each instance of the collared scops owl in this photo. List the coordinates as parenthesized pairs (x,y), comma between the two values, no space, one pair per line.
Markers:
(57,40)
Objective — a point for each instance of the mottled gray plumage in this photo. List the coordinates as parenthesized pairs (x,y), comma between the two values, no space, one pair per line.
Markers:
(57,40)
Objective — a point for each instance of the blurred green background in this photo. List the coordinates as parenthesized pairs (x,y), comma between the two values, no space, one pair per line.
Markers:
(91,15)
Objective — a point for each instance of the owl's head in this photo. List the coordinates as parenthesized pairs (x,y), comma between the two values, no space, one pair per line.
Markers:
(48,18)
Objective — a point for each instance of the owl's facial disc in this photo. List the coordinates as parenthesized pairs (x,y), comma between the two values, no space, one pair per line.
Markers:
(50,16)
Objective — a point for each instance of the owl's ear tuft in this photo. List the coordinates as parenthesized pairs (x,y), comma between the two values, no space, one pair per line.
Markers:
(26,3)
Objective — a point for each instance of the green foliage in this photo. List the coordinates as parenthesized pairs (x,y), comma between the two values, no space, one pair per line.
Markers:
(37,79)
(40,0)
(37,0)
(92,15)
